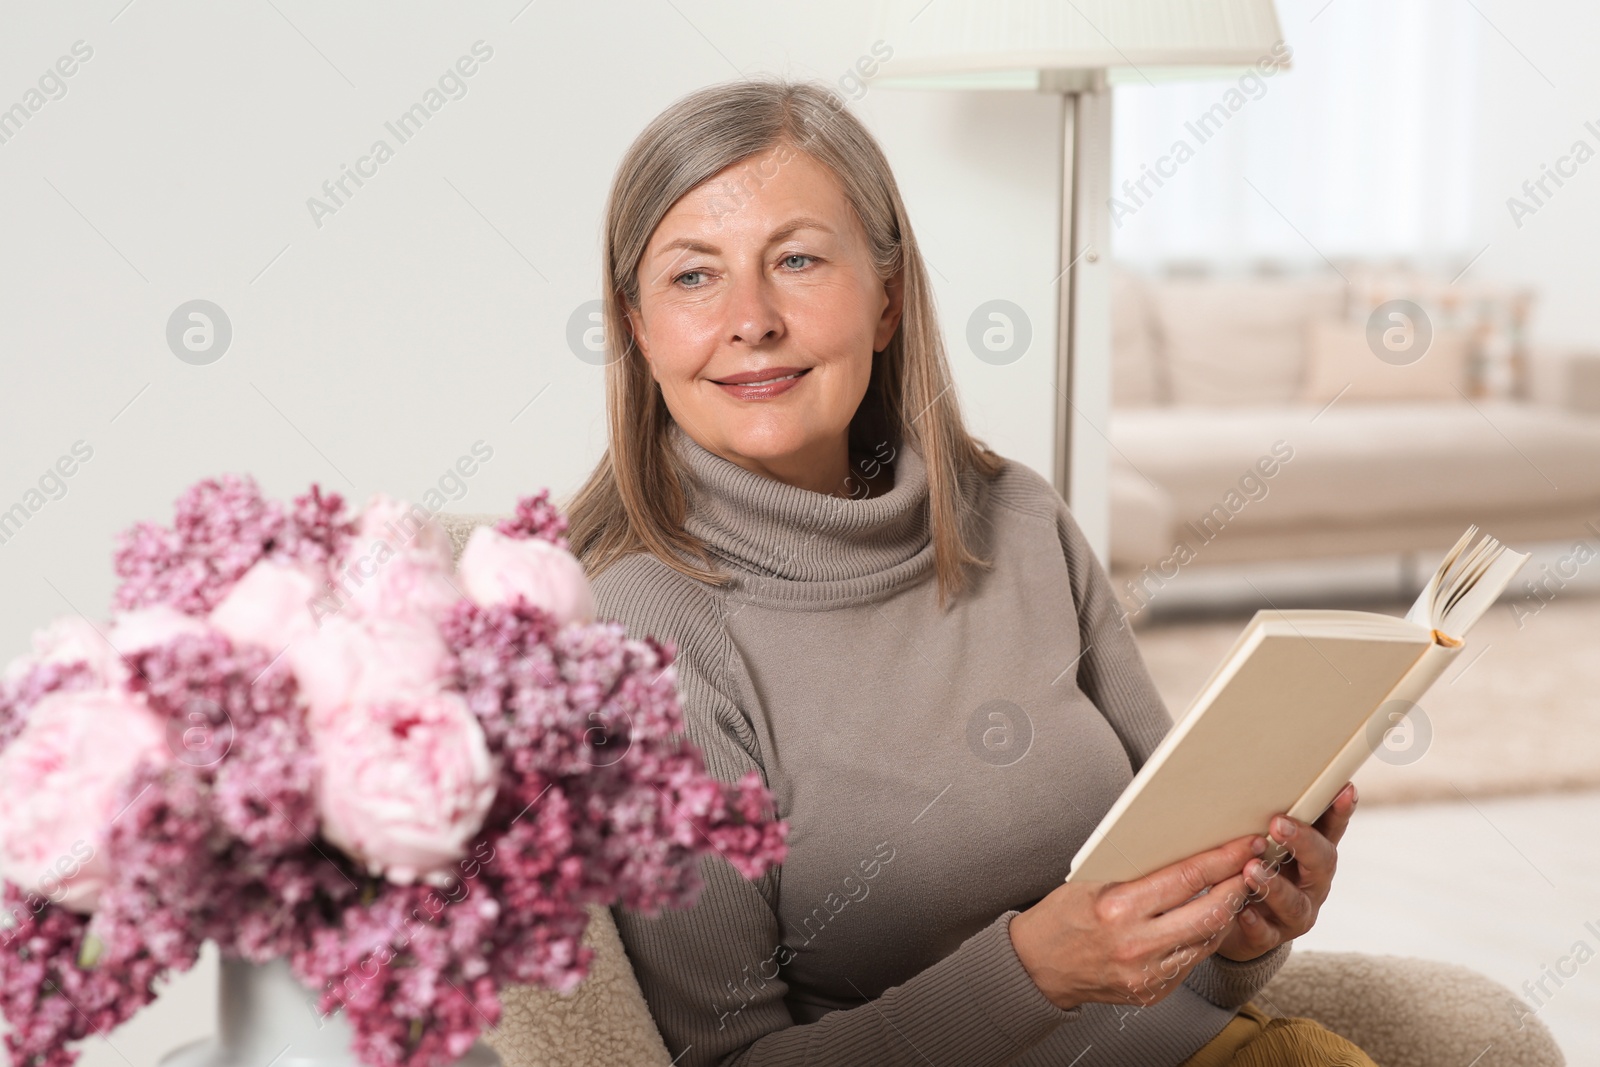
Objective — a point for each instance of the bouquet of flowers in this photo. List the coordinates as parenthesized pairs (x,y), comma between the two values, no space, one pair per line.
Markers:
(314,736)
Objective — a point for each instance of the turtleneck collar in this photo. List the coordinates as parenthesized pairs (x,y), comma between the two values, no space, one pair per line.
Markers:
(795,544)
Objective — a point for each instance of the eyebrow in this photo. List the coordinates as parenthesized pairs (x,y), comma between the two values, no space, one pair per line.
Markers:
(788,229)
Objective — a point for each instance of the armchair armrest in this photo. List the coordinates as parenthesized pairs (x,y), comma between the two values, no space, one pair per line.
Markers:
(604,1022)
(459,526)
(1406,1012)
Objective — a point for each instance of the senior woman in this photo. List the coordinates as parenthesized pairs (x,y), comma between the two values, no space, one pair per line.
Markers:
(906,634)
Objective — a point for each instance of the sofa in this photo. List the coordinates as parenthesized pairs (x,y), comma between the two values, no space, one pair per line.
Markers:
(1405,1012)
(1280,416)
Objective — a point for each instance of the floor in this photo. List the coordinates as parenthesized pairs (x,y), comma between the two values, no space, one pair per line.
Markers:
(1503,885)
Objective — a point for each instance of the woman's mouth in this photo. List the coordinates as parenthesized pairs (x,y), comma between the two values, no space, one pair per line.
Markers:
(760,385)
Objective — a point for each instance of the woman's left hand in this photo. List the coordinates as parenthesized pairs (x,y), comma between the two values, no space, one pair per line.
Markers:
(1284,901)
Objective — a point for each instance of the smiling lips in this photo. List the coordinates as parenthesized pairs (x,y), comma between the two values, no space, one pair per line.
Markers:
(761,384)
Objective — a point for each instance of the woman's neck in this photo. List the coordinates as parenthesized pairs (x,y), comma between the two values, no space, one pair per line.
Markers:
(832,468)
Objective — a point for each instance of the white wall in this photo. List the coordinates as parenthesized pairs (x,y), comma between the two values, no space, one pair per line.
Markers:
(1400,130)
(1540,86)
(1362,148)
(424,315)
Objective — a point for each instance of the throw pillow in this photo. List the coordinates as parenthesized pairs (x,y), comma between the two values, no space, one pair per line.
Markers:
(1340,363)
(1136,378)
(1233,341)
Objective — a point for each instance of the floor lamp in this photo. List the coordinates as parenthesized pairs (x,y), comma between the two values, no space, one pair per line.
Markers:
(1078,50)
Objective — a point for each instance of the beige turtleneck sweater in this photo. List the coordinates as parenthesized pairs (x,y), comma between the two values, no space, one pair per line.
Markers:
(938,772)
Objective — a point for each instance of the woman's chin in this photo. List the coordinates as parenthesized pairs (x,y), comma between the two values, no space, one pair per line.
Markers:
(766,442)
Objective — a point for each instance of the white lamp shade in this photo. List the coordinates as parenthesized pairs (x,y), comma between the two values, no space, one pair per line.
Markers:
(990,39)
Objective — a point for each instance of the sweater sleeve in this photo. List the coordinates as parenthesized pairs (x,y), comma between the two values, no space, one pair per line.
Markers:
(1229,983)
(1112,673)
(711,974)
(1111,669)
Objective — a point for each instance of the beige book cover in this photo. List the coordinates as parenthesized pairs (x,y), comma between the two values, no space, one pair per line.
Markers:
(1296,706)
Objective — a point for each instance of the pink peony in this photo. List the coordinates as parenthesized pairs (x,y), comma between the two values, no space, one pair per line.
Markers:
(58,789)
(495,569)
(404,786)
(145,628)
(398,563)
(404,527)
(271,606)
(355,660)
(70,639)
(74,639)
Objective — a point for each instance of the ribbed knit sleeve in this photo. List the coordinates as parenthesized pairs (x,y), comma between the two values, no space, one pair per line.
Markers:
(698,968)
(1229,983)
(1111,669)
(1112,673)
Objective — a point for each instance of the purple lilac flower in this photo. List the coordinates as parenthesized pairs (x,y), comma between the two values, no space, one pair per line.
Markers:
(536,517)
(600,800)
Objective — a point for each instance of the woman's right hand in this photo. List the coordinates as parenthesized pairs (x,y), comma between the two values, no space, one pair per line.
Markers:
(1133,942)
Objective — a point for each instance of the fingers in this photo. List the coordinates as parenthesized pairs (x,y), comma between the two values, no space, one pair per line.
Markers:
(1336,818)
(1281,905)
(1313,855)
(1202,918)
(1248,915)
(1193,932)
(1254,932)
(1163,890)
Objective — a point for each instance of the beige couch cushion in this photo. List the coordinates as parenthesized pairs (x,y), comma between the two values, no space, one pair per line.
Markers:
(1340,363)
(1141,517)
(1363,464)
(1568,378)
(1138,378)
(1239,341)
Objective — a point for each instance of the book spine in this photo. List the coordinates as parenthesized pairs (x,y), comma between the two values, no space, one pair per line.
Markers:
(1429,666)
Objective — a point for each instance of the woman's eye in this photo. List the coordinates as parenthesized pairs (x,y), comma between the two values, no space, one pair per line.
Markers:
(788,260)
(689,274)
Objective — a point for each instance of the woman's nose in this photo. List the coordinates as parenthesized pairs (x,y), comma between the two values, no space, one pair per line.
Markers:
(753,313)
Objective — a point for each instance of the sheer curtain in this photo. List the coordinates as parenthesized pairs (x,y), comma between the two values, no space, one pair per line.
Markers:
(1362,149)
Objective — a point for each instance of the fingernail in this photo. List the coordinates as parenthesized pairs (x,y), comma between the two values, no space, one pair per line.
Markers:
(1353,796)
(1258,844)
(1283,828)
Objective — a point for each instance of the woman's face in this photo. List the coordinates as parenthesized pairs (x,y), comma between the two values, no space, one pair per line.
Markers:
(763,272)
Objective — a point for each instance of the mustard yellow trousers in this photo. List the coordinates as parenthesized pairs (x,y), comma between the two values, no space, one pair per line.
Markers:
(1255,1039)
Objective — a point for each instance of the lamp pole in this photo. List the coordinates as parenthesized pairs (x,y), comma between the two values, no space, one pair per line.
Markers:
(1083,302)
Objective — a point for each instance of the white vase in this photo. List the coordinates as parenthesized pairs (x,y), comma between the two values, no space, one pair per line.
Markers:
(265,1016)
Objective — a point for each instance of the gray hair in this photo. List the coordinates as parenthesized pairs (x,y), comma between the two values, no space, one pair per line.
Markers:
(633,501)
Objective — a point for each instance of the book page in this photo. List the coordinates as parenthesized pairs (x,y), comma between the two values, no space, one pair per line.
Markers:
(1466,584)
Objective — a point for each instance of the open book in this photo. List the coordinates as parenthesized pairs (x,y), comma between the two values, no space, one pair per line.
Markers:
(1299,702)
